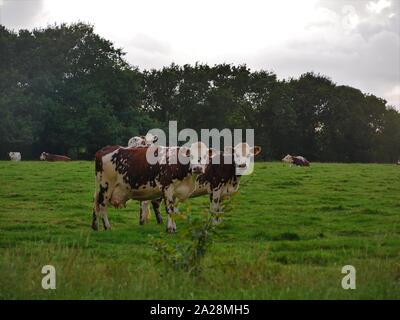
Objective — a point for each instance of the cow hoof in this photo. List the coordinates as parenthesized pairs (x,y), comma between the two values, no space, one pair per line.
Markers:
(171,230)
(95,227)
(159,220)
(217,220)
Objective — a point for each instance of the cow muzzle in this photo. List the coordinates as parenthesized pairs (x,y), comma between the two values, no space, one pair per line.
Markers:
(197,169)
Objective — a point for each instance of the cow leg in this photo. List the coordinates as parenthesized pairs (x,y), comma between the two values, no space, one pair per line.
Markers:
(96,212)
(144,212)
(215,206)
(95,221)
(106,223)
(170,207)
(101,201)
(156,207)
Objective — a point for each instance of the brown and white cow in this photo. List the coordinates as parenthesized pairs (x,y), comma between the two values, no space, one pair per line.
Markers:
(221,179)
(296,160)
(125,173)
(53,157)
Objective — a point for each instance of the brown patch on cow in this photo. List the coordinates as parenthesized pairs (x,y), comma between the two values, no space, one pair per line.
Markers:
(132,164)
(221,173)
(300,162)
(103,190)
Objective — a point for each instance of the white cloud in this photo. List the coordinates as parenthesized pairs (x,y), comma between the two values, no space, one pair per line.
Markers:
(378,6)
(355,42)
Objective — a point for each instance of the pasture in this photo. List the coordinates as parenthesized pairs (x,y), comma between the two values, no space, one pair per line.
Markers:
(288,235)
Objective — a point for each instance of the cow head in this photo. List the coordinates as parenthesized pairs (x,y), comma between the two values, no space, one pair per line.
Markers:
(137,141)
(288,159)
(242,155)
(43,156)
(142,141)
(198,155)
(150,139)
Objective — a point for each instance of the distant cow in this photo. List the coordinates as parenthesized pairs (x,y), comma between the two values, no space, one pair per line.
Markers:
(53,157)
(296,160)
(15,156)
(125,173)
(142,141)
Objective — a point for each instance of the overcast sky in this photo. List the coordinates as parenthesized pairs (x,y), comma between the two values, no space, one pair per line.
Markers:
(354,42)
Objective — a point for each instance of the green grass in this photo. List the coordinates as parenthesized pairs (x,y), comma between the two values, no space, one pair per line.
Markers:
(288,235)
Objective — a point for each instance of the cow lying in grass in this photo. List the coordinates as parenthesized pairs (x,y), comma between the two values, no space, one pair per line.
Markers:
(53,157)
(125,173)
(296,160)
(220,180)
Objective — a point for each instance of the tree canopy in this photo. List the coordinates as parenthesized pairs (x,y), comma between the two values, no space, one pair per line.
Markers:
(64,89)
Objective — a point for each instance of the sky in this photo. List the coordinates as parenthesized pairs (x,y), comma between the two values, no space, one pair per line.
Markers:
(354,42)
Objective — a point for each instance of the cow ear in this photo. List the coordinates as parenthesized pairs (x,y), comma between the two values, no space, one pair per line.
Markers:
(256,150)
(228,150)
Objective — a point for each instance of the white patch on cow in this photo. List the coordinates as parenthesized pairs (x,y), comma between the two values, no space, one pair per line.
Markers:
(150,139)
(138,141)
(288,159)
(301,158)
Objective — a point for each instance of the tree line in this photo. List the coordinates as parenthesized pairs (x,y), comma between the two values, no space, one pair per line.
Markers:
(64,89)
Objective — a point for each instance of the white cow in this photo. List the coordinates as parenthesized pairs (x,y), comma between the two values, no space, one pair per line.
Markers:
(15,156)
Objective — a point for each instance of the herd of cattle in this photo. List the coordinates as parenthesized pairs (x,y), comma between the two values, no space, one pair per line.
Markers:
(45,156)
(124,173)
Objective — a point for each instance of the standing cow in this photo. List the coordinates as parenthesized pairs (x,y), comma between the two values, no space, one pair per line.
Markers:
(221,179)
(15,156)
(125,173)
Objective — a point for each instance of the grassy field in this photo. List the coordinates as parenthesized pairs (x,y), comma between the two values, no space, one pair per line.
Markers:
(290,232)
